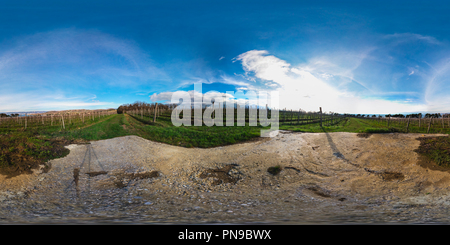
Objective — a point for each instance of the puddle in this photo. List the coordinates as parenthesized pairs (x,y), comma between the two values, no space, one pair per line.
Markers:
(364,135)
(274,170)
(318,191)
(388,176)
(338,155)
(222,175)
(295,169)
(92,174)
(122,179)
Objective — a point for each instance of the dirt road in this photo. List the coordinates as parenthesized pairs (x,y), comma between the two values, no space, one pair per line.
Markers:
(324,178)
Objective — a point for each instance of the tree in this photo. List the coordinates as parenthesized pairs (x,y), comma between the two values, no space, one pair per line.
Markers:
(120,109)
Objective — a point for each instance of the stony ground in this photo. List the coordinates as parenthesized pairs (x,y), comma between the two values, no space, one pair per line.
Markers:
(324,178)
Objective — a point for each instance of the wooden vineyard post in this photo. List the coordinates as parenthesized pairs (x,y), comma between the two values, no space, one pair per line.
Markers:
(407,125)
(51,115)
(429,125)
(150,115)
(26,120)
(290,120)
(389,120)
(62,120)
(442,120)
(320,116)
(419,121)
(154,116)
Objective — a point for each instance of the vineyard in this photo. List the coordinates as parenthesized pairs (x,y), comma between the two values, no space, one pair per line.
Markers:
(61,120)
(238,117)
(293,120)
(161,114)
(411,125)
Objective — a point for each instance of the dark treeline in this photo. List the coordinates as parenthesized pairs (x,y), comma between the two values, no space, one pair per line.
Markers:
(417,115)
(139,105)
(6,115)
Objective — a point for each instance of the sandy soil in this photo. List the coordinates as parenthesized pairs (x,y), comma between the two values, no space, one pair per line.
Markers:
(324,178)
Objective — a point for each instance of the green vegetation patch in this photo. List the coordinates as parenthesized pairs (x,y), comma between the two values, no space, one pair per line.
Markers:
(193,136)
(23,151)
(435,148)
(110,128)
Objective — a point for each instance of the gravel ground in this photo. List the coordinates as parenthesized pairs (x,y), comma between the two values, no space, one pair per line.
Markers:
(330,178)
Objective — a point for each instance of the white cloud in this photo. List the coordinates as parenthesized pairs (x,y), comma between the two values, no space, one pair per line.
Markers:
(264,67)
(300,88)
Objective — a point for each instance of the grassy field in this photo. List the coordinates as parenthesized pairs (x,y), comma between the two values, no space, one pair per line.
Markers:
(358,125)
(22,150)
(352,125)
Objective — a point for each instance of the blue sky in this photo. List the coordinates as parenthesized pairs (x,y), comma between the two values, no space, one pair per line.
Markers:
(371,57)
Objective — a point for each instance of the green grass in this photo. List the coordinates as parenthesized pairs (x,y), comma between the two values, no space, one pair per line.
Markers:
(352,125)
(203,137)
(436,149)
(357,125)
(21,152)
(106,129)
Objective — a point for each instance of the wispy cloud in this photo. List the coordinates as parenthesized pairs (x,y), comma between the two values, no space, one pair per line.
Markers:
(410,37)
(44,100)
(74,61)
